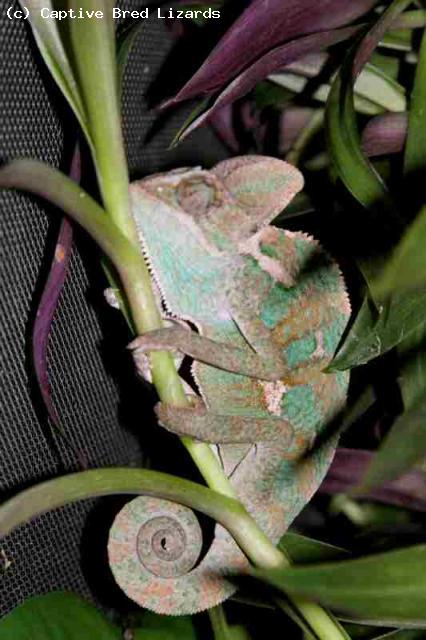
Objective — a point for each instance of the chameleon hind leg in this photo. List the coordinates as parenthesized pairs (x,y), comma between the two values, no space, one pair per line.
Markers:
(198,422)
(244,361)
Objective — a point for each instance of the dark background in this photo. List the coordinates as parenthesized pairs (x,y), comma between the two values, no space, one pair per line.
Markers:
(105,411)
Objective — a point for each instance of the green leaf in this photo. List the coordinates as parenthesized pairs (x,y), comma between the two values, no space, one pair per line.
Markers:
(222,630)
(406,269)
(57,616)
(403,447)
(387,588)
(302,550)
(58,492)
(364,632)
(350,163)
(49,42)
(402,634)
(375,91)
(412,377)
(92,46)
(344,146)
(155,627)
(41,179)
(375,332)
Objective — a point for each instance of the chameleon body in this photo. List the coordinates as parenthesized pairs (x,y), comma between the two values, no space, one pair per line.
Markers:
(269,307)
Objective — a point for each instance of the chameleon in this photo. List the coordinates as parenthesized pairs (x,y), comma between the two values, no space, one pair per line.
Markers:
(260,311)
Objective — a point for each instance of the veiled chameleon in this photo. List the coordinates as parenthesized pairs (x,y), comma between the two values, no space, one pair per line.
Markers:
(269,307)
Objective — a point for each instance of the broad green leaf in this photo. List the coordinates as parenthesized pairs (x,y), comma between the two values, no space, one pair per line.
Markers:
(412,377)
(403,447)
(41,179)
(364,632)
(348,160)
(49,42)
(374,91)
(389,65)
(402,634)
(296,84)
(376,85)
(398,40)
(155,627)
(375,332)
(351,165)
(361,631)
(406,444)
(303,550)
(58,492)
(406,269)
(57,616)
(387,588)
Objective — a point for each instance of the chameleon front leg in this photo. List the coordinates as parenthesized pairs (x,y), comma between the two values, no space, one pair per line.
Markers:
(198,422)
(244,361)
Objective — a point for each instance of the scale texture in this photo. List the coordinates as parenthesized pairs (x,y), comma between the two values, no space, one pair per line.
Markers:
(270,307)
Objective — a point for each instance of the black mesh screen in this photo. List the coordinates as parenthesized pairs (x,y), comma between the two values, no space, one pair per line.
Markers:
(87,359)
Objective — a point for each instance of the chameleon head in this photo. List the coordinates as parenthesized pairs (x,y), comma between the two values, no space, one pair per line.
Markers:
(231,202)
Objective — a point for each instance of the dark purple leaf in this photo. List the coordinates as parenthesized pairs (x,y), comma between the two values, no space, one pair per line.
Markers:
(349,467)
(374,36)
(292,121)
(274,60)
(223,125)
(263,25)
(385,134)
(47,308)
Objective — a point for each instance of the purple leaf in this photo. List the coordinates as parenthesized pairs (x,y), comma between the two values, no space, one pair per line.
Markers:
(272,61)
(385,134)
(292,121)
(263,25)
(223,126)
(47,308)
(349,467)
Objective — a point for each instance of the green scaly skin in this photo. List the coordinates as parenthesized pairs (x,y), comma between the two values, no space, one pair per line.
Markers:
(270,307)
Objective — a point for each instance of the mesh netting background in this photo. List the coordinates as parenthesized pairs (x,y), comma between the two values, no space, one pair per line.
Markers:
(92,378)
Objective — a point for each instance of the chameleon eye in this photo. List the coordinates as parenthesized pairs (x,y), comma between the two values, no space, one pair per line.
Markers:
(196,196)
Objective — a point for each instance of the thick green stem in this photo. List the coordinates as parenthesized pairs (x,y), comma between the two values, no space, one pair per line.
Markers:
(92,53)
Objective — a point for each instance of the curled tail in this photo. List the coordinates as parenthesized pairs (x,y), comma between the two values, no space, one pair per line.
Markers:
(155,549)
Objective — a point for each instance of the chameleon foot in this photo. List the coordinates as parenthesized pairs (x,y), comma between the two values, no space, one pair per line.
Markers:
(224,356)
(198,422)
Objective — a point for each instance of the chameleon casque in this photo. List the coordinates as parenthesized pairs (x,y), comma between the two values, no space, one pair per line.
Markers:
(269,308)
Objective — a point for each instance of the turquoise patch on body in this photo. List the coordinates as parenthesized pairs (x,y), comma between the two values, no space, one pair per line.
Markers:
(299,406)
(277,304)
(333,332)
(299,351)
(270,251)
